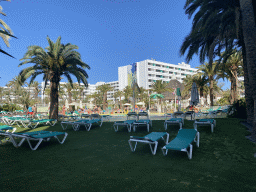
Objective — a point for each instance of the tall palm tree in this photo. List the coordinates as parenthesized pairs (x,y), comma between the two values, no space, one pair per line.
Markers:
(5,32)
(231,70)
(59,60)
(249,31)
(210,73)
(104,90)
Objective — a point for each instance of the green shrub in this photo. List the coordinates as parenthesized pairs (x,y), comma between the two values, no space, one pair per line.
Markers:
(9,107)
(239,109)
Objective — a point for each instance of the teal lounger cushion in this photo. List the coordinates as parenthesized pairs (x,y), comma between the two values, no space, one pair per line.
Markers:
(206,120)
(182,140)
(175,119)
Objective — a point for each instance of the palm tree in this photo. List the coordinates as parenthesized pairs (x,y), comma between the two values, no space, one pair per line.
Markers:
(104,90)
(36,86)
(223,19)
(249,31)
(231,70)
(5,32)
(68,90)
(127,93)
(160,87)
(59,60)
(119,94)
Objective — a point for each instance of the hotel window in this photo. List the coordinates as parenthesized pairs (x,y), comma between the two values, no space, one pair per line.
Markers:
(191,71)
(167,66)
(158,65)
(171,72)
(154,64)
(158,70)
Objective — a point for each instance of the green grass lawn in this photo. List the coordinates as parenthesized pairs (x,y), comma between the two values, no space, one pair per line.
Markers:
(101,160)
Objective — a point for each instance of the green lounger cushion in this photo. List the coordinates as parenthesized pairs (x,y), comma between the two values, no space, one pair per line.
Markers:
(33,133)
(182,140)
(5,126)
(126,122)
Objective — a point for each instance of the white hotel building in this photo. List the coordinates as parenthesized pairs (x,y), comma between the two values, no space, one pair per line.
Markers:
(148,71)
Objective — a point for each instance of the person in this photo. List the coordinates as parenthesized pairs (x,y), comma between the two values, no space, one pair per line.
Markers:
(34,111)
(63,110)
(30,111)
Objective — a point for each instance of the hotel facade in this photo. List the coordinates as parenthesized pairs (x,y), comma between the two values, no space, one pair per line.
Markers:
(146,72)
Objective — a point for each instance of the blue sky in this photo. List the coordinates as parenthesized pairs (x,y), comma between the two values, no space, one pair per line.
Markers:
(109,33)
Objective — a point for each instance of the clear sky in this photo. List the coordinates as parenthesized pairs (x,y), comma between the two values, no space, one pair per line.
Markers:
(109,33)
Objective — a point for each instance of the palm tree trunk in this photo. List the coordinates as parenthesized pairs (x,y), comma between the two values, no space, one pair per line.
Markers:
(232,91)
(211,89)
(248,91)
(249,31)
(54,98)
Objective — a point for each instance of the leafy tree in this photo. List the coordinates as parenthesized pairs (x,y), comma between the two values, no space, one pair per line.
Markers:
(59,60)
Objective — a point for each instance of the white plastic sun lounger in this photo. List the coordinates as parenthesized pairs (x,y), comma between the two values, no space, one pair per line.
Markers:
(65,124)
(127,123)
(87,124)
(6,128)
(151,139)
(38,136)
(140,122)
(211,122)
(34,123)
(183,141)
(179,121)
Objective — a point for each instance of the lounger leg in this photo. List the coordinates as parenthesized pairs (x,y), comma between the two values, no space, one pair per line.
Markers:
(148,127)
(133,148)
(76,127)
(212,125)
(116,128)
(165,151)
(195,126)
(198,137)
(64,138)
(134,128)
(190,151)
(180,126)
(155,148)
(63,126)
(165,125)
(34,148)
(129,128)
(88,127)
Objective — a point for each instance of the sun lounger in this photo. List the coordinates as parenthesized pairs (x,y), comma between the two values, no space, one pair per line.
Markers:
(34,123)
(151,139)
(38,136)
(88,124)
(179,121)
(211,122)
(140,122)
(183,141)
(6,128)
(65,124)
(127,123)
